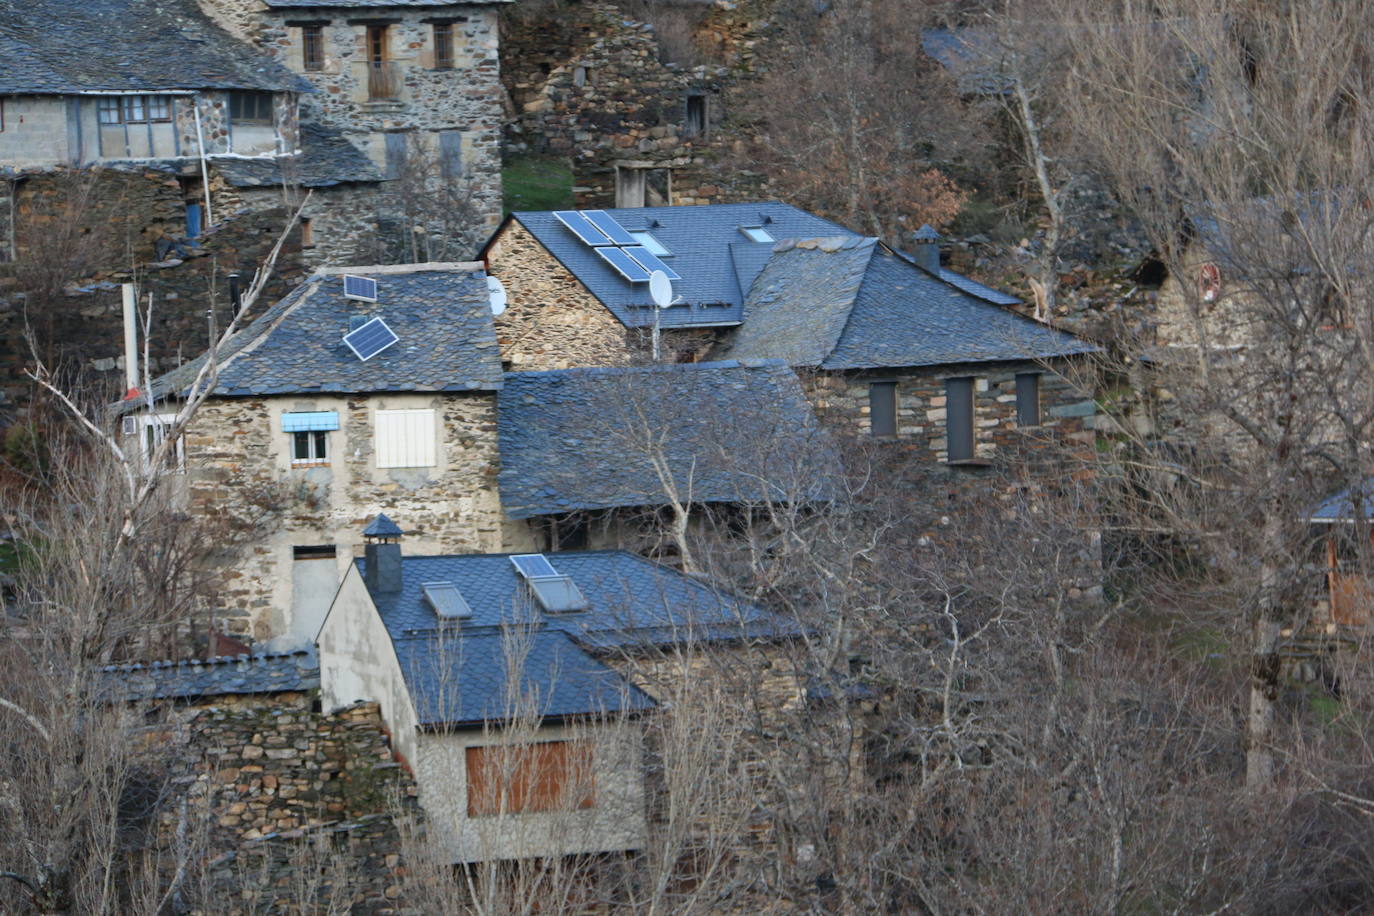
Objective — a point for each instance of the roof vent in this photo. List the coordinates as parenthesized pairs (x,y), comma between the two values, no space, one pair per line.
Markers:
(363,289)
(446,600)
(556,593)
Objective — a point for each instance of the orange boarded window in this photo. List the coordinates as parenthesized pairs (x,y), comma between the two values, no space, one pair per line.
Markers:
(528,778)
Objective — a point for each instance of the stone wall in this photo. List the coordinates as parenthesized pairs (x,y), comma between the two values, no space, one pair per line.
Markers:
(1066,412)
(238,464)
(551,320)
(82,233)
(588,83)
(426,101)
(294,807)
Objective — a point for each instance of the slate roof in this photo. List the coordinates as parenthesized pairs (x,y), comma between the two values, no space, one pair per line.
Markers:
(364,4)
(970,55)
(849,303)
(220,676)
(440,312)
(576,439)
(1340,506)
(459,674)
(65,47)
(327,158)
(716,262)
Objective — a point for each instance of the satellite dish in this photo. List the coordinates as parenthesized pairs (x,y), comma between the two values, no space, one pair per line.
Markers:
(661,289)
(496,294)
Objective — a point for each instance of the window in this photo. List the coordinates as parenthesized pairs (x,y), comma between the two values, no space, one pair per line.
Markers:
(882,408)
(151,430)
(405,438)
(655,247)
(959,418)
(450,154)
(310,448)
(134,109)
(1028,399)
(307,233)
(110,111)
(312,46)
(443,46)
(694,120)
(529,778)
(756,233)
(382,81)
(250,107)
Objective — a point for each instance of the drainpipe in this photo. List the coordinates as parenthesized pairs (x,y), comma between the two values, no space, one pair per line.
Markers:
(204,169)
(130,342)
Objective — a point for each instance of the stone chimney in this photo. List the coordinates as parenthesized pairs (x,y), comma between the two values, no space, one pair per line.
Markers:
(382,556)
(927,248)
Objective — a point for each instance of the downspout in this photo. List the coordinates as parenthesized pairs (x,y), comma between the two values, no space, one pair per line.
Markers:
(204,169)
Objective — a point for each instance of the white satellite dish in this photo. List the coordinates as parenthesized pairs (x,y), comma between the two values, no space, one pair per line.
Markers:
(661,289)
(496,295)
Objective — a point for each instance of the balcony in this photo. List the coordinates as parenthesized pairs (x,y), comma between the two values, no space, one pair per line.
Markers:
(383,81)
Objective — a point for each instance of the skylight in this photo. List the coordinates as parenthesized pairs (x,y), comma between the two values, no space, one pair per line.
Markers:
(755,234)
(655,247)
(556,593)
(446,600)
(370,339)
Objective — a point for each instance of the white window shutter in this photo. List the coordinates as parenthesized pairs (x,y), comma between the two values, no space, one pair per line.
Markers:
(405,438)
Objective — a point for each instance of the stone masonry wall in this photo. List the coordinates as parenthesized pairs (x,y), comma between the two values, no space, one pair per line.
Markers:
(467,98)
(297,807)
(551,320)
(121,217)
(238,464)
(588,83)
(1065,412)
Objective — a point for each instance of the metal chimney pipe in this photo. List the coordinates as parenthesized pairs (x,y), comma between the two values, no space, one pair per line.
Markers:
(235,294)
(130,338)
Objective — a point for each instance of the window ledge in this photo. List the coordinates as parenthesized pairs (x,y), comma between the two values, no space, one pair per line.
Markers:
(319,463)
(970,463)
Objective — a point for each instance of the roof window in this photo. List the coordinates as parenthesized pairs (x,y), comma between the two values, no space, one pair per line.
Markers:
(446,600)
(556,593)
(655,247)
(756,233)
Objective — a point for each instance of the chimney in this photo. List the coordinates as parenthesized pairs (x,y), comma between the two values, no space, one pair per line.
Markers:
(382,556)
(235,297)
(927,248)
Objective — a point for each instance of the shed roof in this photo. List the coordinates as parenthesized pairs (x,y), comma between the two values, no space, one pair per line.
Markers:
(327,158)
(440,312)
(585,439)
(219,676)
(849,303)
(462,674)
(61,47)
(1340,506)
(716,261)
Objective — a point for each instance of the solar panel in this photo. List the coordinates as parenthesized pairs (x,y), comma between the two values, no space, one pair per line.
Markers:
(581,228)
(446,600)
(607,224)
(533,565)
(625,265)
(370,339)
(362,288)
(650,262)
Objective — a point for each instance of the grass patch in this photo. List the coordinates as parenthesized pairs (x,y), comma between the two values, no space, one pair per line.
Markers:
(537,183)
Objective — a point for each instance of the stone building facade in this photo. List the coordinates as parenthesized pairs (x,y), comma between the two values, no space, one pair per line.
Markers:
(589,83)
(394,79)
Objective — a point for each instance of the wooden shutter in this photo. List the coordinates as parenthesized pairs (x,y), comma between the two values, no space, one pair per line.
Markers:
(405,438)
(959,418)
(1028,399)
(882,408)
(529,778)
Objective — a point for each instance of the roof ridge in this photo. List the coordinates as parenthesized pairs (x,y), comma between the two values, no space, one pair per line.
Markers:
(385,269)
(666,368)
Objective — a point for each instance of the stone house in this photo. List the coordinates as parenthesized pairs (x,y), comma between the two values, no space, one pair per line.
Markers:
(900,348)
(505,682)
(394,78)
(379,389)
(571,306)
(300,428)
